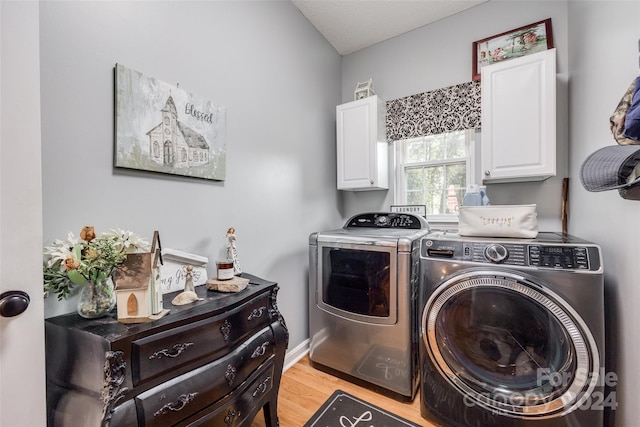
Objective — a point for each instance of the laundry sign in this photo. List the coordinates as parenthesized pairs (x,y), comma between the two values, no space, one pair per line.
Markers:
(420,210)
(161,128)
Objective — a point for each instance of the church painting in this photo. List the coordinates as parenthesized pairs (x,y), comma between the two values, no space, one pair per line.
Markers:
(161,128)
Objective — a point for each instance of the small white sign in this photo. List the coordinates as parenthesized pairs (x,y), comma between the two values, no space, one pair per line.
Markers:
(420,210)
(174,268)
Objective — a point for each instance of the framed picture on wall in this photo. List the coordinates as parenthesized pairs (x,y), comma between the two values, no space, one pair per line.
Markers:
(161,128)
(511,44)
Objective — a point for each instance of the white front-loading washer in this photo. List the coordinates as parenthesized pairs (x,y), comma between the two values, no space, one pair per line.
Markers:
(512,331)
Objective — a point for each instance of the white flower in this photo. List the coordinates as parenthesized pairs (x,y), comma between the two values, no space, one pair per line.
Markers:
(60,250)
(129,241)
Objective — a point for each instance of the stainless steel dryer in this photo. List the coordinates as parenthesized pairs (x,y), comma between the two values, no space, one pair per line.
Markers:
(512,331)
(363,288)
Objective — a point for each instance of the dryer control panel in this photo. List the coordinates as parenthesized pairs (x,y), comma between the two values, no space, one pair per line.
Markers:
(401,221)
(554,256)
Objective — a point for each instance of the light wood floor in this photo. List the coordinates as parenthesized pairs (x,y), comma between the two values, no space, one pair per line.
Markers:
(304,389)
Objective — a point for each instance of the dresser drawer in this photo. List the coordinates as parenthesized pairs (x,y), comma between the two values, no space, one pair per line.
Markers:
(159,353)
(233,413)
(187,394)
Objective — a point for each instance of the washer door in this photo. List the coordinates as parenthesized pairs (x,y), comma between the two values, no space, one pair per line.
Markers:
(510,345)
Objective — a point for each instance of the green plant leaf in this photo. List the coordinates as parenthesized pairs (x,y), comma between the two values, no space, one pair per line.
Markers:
(76,277)
(77,251)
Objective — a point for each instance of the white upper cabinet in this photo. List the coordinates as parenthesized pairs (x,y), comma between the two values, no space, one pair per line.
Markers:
(519,119)
(362,149)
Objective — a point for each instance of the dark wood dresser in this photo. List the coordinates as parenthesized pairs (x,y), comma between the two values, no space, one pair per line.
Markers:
(215,362)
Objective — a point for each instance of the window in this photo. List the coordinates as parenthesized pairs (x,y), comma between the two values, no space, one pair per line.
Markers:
(435,171)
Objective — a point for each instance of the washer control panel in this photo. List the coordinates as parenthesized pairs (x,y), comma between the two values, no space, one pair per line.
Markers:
(554,256)
(565,257)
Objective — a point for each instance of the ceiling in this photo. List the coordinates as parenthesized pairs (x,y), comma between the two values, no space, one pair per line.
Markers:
(351,25)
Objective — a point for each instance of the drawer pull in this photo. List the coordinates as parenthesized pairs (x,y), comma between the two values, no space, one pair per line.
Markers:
(230,374)
(231,416)
(225,329)
(176,406)
(178,350)
(257,312)
(260,350)
(262,387)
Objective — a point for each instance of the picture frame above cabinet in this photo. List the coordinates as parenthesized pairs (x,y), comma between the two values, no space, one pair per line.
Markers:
(362,148)
(519,119)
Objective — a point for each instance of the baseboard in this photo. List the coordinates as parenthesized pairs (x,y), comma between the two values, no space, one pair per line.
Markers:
(295,354)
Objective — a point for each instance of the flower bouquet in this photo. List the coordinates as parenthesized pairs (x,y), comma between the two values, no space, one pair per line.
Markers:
(88,262)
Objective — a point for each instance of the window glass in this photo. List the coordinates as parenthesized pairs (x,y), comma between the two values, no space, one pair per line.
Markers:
(455,187)
(434,148)
(455,145)
(415,151)
(434,171)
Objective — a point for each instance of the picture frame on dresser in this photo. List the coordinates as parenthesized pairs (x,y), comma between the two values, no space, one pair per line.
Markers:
(521,41)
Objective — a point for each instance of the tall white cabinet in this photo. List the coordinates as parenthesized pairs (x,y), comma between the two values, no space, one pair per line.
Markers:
(519,119)
(362,149)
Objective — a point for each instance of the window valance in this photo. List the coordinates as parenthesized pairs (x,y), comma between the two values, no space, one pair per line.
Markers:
(442,110)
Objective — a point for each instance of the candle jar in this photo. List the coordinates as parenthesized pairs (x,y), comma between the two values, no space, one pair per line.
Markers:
(225,269)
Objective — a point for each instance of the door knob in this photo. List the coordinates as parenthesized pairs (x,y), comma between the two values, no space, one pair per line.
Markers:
(13,303)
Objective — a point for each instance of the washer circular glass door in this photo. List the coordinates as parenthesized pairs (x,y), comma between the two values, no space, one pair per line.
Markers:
(510,345)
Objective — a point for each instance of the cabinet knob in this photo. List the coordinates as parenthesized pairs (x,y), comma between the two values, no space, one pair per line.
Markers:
(487,173)
(371,182)
(13,303)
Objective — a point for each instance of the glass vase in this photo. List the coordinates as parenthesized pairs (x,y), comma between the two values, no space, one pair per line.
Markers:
(96,299)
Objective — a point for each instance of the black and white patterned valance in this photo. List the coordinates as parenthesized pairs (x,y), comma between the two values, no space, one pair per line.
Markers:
(438,111)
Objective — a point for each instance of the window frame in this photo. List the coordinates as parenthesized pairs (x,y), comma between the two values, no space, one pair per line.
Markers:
(400,194)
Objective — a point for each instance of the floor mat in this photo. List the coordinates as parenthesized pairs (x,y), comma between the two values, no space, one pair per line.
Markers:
(342,409)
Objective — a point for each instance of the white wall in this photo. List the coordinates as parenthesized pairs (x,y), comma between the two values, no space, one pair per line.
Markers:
(603,59)
(440,55)
(280,82)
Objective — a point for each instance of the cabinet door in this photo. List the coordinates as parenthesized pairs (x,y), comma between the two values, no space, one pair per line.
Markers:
(361,145)
(519,119)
